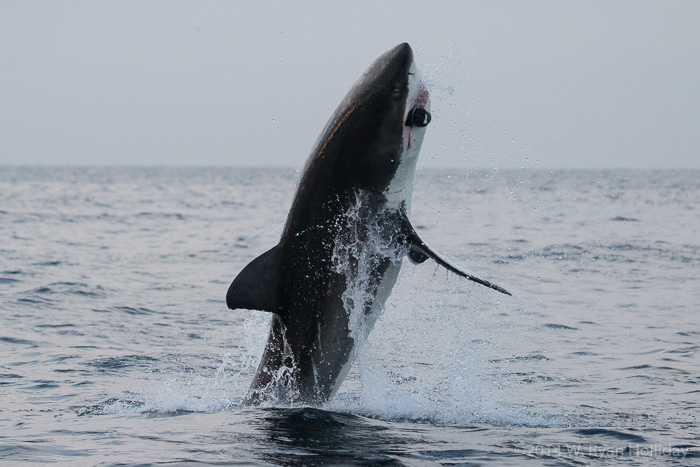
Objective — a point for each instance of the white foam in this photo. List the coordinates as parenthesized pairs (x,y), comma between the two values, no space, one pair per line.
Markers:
(431,357)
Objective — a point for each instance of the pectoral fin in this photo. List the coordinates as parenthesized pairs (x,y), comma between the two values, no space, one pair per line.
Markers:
(257,286)
(419,252)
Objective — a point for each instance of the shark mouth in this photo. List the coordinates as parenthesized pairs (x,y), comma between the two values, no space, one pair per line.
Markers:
(415,118)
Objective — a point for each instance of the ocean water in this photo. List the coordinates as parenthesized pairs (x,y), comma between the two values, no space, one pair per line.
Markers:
(116,347)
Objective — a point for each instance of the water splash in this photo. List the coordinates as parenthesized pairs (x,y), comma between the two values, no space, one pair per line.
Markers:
(368,251)
(444,378)
(427,360)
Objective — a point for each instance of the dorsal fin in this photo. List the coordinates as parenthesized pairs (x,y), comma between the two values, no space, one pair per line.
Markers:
(257,286)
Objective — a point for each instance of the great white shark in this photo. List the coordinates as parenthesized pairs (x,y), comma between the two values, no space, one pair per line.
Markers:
(344,239)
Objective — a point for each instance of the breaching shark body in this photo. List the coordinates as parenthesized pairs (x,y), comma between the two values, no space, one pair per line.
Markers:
(349,215)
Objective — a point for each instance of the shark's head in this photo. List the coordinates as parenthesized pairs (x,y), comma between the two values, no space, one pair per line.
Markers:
(379,127)
(416,119)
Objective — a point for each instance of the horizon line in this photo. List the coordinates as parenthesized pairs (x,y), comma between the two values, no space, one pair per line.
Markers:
(298,166)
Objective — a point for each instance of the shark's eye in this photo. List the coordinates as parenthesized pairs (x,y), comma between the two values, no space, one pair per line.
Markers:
(418,117)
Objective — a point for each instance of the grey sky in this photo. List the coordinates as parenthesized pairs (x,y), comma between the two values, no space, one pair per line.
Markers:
(536,84)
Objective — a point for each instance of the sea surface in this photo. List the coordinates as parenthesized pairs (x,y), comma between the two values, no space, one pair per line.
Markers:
(116,347)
